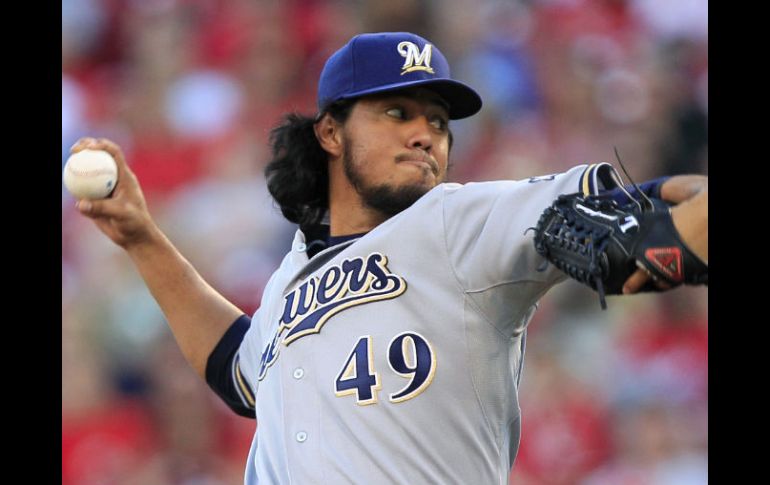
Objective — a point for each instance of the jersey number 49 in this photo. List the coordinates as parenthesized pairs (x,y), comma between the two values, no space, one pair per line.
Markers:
(409,355)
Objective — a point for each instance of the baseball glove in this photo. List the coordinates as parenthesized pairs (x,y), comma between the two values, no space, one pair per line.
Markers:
(600,243)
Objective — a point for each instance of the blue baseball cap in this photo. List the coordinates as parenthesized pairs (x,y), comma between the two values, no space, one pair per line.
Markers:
(389,61)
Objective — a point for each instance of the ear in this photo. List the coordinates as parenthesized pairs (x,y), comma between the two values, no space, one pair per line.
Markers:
(329,134)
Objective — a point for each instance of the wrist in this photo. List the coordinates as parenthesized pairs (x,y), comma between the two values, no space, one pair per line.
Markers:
(150,239)
(692,227)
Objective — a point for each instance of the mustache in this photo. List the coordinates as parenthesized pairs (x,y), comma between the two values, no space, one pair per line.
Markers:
(419,155)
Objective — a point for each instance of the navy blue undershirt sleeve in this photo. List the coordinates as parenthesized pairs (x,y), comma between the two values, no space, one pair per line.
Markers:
(222,371)
(650,188)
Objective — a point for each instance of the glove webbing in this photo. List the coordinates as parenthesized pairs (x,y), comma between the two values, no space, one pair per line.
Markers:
(572,235)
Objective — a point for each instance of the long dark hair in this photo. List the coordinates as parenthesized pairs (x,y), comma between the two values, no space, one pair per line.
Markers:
(298,175)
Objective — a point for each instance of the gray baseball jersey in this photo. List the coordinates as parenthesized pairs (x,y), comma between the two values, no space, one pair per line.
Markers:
(395,358)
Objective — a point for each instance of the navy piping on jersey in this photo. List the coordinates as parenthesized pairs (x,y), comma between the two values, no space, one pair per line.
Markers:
(223,372)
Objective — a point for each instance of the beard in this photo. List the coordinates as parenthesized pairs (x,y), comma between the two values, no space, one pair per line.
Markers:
(383,198)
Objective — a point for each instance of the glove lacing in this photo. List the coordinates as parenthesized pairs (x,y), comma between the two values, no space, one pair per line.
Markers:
(578,237)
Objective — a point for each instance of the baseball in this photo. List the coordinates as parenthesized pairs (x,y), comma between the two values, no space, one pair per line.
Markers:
(90,174)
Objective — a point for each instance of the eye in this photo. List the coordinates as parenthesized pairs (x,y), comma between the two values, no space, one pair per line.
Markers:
(396,112)
(440,123)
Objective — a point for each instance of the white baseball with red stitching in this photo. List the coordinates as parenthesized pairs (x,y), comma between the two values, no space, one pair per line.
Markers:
(90,174)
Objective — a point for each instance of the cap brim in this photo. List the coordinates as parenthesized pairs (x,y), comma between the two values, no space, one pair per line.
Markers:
(463,100)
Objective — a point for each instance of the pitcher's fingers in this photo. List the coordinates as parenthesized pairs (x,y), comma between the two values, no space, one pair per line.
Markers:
(110,147)
(663,285)
(115,151)
(82,144)
(636,281)
(102,208)
(113,148)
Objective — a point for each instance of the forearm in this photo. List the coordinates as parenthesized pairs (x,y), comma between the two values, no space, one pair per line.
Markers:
(197,314)
(681,188)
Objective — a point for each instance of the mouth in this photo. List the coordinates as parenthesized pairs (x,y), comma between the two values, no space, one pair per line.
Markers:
(419,163)
(423,161)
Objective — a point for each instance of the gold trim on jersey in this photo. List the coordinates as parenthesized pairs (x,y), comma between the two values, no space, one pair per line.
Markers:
(243,386)
(590,181)
(585,179)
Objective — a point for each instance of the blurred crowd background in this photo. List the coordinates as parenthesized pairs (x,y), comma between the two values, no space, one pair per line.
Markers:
(191,88)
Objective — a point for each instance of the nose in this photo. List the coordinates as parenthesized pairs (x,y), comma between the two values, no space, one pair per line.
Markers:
(419,135)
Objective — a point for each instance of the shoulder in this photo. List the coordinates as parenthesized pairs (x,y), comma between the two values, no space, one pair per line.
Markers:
(580,178)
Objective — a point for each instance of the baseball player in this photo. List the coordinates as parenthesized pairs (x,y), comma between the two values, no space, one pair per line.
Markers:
(389,343)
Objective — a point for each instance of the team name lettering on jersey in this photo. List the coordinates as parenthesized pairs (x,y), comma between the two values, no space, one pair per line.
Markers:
(309,306)
(415,60)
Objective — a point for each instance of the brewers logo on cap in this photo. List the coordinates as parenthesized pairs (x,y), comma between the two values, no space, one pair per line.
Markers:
(415,60)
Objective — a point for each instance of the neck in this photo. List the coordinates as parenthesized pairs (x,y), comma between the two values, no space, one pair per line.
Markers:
(347,212)
(348,215)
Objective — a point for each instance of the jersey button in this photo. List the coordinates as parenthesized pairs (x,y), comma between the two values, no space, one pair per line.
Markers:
(301,436)
(298,373)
